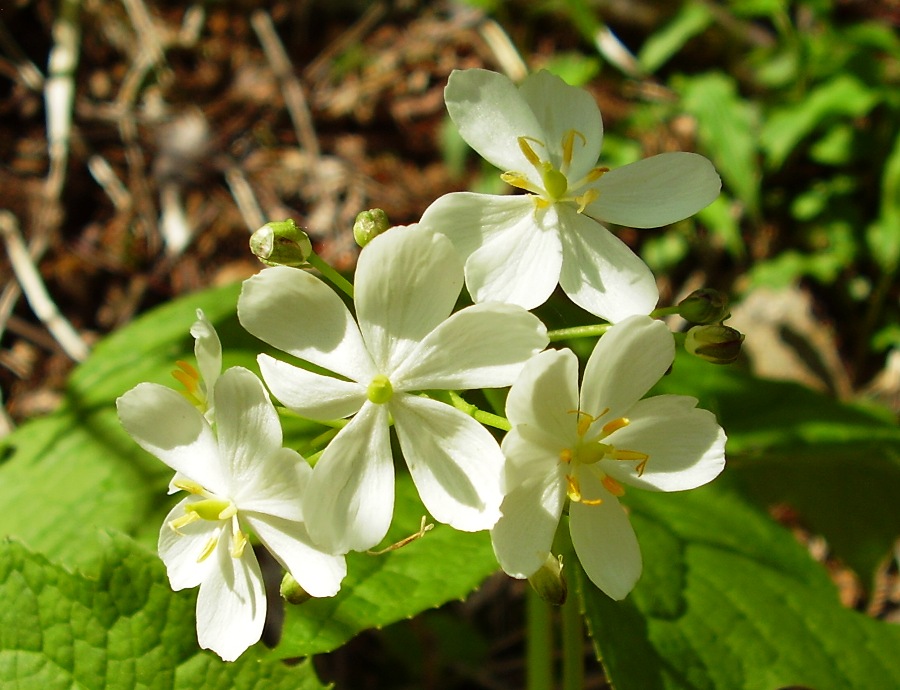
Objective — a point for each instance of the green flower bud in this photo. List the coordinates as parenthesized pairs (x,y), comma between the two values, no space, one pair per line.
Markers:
(368,225)
(549,582)
(715,343)
(291,590)
(281,243)
(704,306)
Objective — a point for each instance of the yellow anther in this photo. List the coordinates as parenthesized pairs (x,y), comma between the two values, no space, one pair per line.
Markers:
(519,181)
(594,175)
(528,152)
(208,549)
(185,519)
(239,541)
(615,425)
(613,486)
(189,486)
(574,493)
(229,512)
(586,199)
(565,455)
(616,454)
(568,145)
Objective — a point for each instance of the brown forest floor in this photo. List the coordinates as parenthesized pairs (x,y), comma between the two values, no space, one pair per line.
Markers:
(217,117)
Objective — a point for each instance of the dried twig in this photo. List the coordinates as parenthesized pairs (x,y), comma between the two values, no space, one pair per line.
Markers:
(36,292)
(294,99)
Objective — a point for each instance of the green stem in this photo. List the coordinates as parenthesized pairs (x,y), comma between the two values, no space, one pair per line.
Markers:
(572,624)
(486,418)
(326,270)
(538,643)
(593,330)
(664,311)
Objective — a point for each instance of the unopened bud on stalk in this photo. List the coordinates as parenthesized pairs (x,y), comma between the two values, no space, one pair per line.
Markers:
(281,243)
(704,306)
(368,225)
(715,343)
(291,590)
(549,582)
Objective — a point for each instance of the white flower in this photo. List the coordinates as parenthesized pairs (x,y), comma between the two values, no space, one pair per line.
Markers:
(240,480)
(547,135)
(586,447)
(407,282)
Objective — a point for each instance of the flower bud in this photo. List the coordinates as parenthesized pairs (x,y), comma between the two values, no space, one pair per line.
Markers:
(368,225)
(291,590)
(549,582)
(704,306)
(281,243)
(715,343)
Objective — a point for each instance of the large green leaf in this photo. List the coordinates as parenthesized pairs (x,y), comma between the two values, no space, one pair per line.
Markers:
(120,627)
(728,599)
(839,466)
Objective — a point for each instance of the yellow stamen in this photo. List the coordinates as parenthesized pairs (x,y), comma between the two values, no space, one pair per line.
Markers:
(520,181)
(574,493)
(594,175)
(189,486)
(615,425)
(613,486)
(584,200)
(565,455)
(568,144)
(528,152)
(208,549)
(186,519)
(239,541)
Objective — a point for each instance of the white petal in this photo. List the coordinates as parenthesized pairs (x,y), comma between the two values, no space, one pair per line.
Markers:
(546,395)
(181,550)
(319,573)
(471,220)
(231,606)
(168,426)
(311,395)
(656,191)
(560,108)
(349,500)
(629,359)
(296,312)
(454,461)
(530,516)
(530,452)
(686,445)
(407,281)
(604,540)
(276,487)
(520,264)
(491,114)
(482,346)
(207,350)
(246,423)
(600,273)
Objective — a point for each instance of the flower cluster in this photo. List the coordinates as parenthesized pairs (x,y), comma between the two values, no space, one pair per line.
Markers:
(400,356)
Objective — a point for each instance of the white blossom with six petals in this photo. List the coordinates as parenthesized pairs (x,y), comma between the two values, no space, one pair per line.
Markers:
(547,136)
(407,282)
(585,446)
(239,479)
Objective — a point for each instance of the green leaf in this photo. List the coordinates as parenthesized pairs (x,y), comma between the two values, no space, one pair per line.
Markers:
(691,19)
(883,236)
(70,476)
(839,466)
(844,96)
(121,627)
(728,599)
(443,565)
(727,129)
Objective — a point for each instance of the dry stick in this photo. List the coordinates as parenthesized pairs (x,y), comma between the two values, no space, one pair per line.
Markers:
(36,292)
(244,198)
(504,51)
(290,85)
(59,94)
(28,72)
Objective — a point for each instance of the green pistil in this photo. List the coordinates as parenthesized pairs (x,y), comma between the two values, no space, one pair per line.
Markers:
(380,390)
(210,509)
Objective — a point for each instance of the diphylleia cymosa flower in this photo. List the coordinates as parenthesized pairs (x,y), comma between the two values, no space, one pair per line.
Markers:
(586,447)
(239,480)
(208,352)
(547,136)
(407,282)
